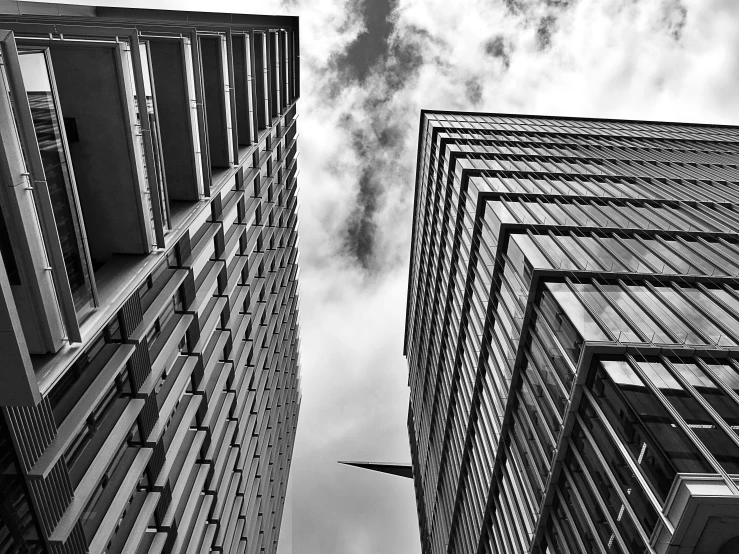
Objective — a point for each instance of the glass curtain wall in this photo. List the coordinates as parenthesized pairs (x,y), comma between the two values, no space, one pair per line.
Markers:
(572,329)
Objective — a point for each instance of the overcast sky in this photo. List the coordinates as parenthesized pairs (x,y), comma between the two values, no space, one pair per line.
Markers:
(368,67)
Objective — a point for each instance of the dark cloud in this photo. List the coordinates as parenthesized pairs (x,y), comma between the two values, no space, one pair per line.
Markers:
(378,138)
(674,19)
(497,47)
(473,90)
(544,31)
(515,6)
(371,45)
(385,63)
(406,57)
(361,227)
(529,8)
(372,142)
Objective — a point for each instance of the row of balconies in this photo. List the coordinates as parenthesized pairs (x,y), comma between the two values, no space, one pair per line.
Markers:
(168,409)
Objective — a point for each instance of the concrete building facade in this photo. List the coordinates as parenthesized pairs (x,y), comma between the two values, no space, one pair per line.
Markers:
(148,232)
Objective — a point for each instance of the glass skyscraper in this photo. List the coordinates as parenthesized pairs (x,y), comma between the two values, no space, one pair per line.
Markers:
(572,336)
(149,350)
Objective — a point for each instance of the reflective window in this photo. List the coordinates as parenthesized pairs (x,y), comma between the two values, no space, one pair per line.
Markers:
(656,441)
(607,314)
(583,500)
(696,317)
(630,485)
(568,318)
(719,444)
(48,128)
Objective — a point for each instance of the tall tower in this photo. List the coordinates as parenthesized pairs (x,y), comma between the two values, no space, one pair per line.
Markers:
(572,335)
(149,380)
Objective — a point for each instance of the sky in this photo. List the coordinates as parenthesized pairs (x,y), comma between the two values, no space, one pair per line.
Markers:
(367,69)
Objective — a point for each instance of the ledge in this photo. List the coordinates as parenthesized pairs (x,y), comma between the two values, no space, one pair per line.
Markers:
(705,513)
(83,493)
(76,419)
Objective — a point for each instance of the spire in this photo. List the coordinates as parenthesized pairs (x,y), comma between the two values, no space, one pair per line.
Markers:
(402,470)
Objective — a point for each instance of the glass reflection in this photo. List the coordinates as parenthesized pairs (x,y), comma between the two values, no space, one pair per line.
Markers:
(579,491)
(626,479)
(721,446)
(656,441)
(48,128)
(154,130)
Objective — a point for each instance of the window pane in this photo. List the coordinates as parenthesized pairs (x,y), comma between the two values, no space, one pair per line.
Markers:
(48,130)
(657,443)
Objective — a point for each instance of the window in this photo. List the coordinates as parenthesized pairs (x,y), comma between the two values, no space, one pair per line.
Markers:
(60,180)
(174,120)
(151,147)
(217,99)
(656,441)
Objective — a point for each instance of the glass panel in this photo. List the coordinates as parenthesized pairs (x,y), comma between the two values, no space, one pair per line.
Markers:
(578,513)
(190,77)
(685,252)
(562,530)
(573,311)
(656,441)
(548,359)
(646,256)
(727,374)
(139,135)
(589,504)
(529,401)
(571,247)
(645,324)
(716,440)
(606,313)
(48,128)
(616,216)
(690,313)
(604,258)
(154,126)
(668,320)
(526,256)
(6,248)
(626,479)
(625,257)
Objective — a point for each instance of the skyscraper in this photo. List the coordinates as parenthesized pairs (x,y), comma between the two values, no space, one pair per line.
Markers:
(148,233)
(572,335)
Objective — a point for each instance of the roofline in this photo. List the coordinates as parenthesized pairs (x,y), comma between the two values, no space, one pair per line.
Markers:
(413,231)
(577,118)
(212,18)
(32,11)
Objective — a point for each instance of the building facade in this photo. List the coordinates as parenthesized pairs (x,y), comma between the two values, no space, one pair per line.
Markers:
(148,232)
(572,336)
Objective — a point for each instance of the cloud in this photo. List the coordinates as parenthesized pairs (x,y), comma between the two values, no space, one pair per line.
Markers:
(544,31)
(361,226)
(675,16)
(499,48)
(473,90)
(371,44)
